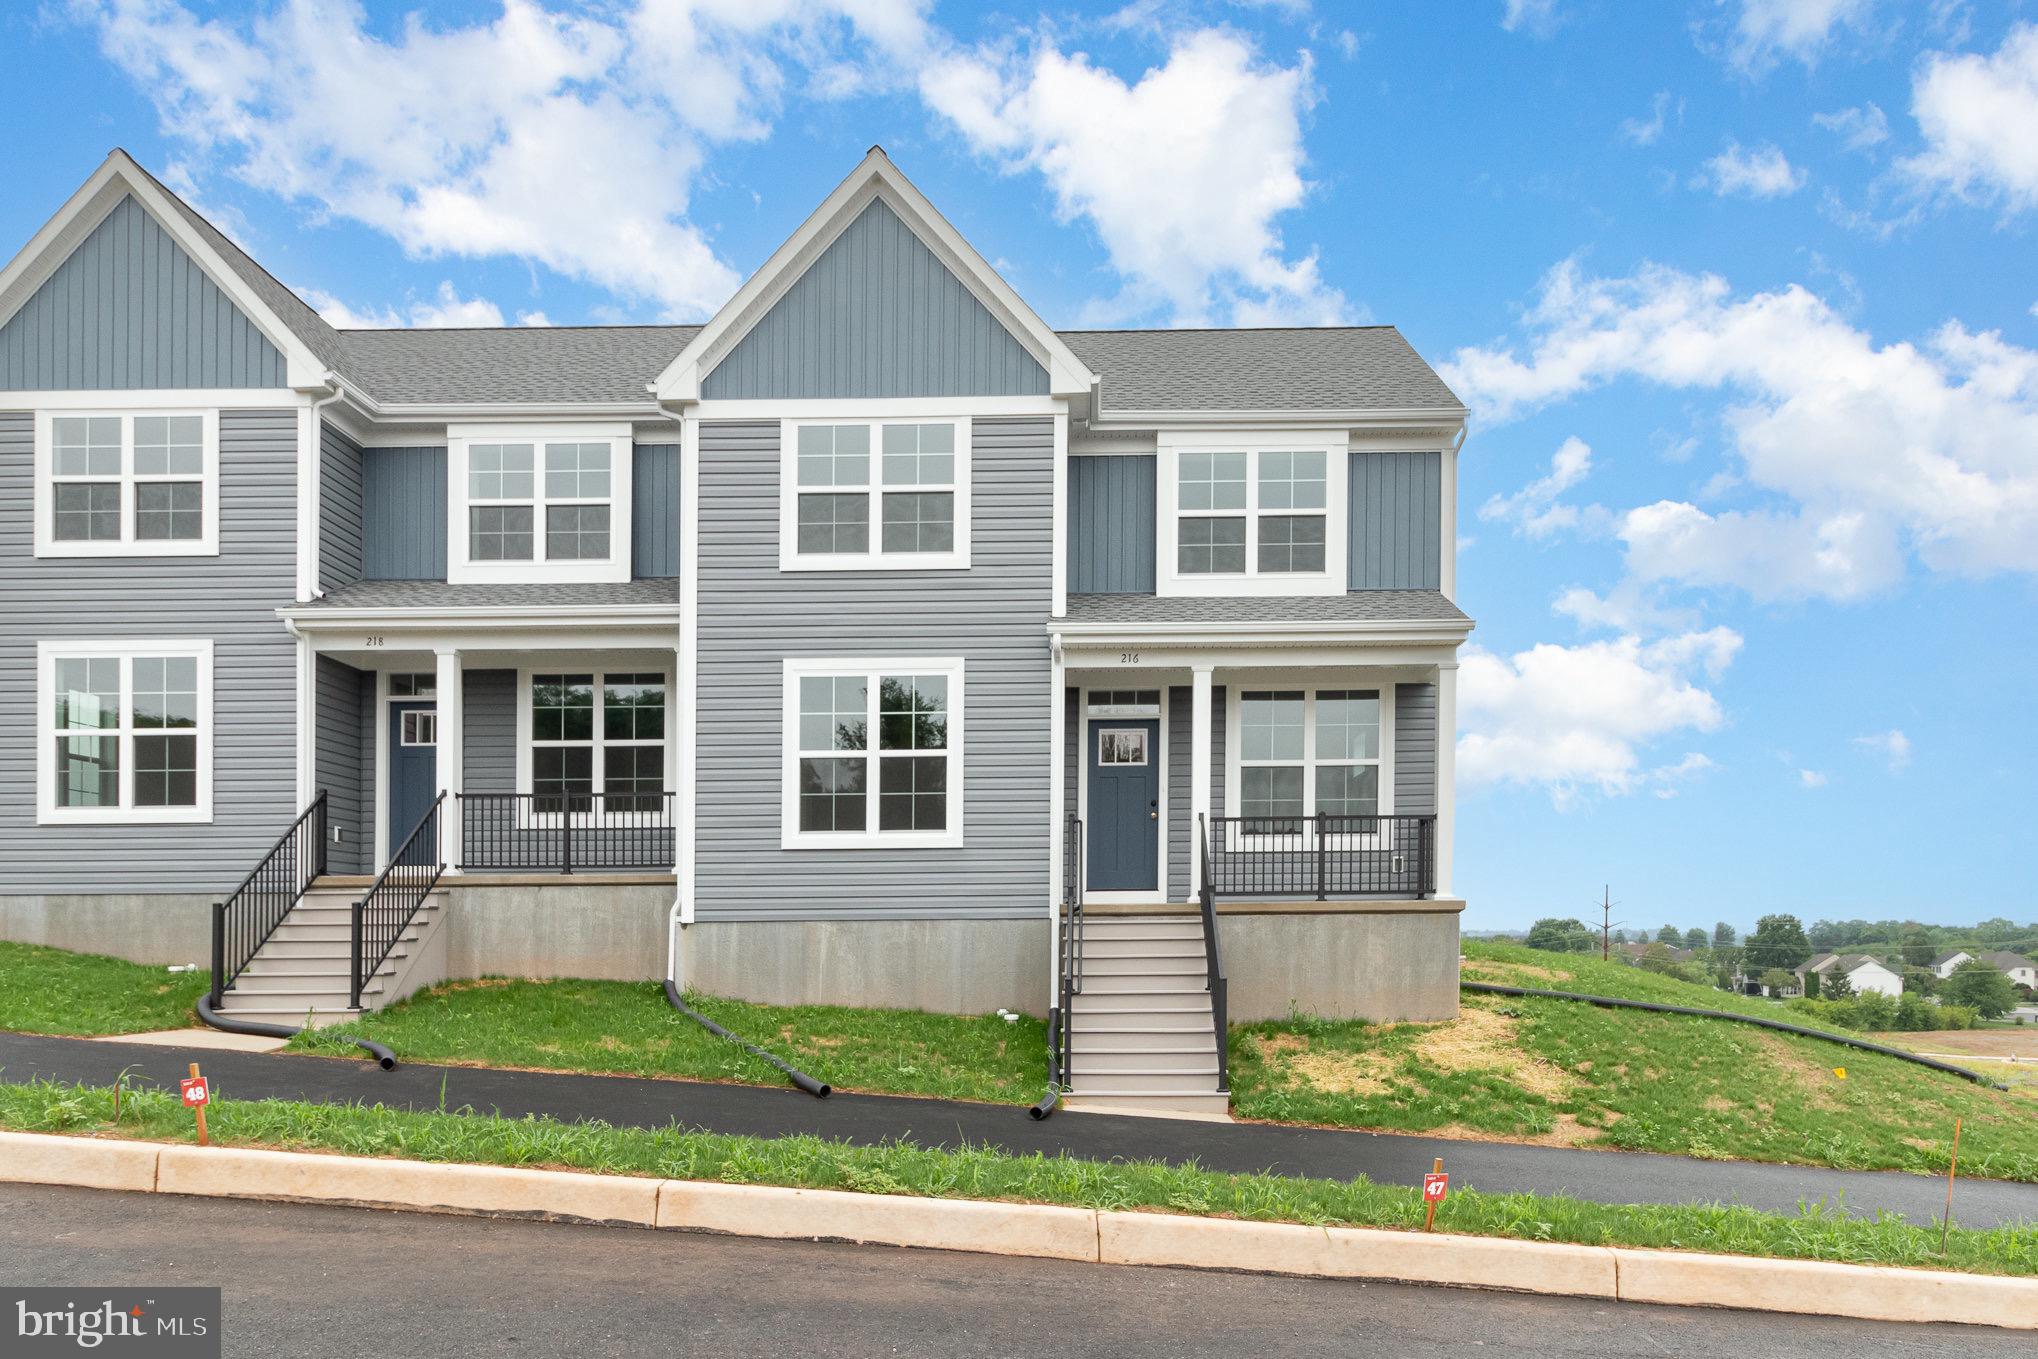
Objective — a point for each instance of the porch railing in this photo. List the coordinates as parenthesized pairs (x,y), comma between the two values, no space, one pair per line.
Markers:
(394,898)
(565,833)
(1322,856)
(244,921)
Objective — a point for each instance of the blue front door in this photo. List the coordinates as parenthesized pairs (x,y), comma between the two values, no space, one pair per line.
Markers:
(1123,839)
(413,769)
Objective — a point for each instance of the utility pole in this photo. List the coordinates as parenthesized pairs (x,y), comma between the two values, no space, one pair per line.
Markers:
(1607,922)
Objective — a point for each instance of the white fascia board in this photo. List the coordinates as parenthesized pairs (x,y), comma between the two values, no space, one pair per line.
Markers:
(1104,636)
(81,214)
(1357,418)
(324,619)
(873,178)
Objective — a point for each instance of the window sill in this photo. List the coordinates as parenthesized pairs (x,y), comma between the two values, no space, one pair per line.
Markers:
(872,840)
(878,561)
(198,547)
(125,816)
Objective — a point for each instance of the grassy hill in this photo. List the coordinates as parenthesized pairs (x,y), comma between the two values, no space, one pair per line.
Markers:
(1563,1073)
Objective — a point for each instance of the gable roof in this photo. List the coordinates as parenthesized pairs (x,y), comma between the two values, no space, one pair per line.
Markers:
(1949,956)
(514,363)
(1298,369)
(2002,960)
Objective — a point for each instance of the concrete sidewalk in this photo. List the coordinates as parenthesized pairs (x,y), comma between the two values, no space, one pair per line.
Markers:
(1320,1153)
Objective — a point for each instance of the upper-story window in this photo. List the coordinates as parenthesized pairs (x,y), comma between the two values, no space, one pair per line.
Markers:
(1252,520)
(860,494)
(135,483)
(539,504)
(126,731)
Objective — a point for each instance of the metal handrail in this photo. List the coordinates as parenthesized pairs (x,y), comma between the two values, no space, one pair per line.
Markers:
(1214,978)
(393,900)
(565,833)
(244,921)
(1072,937)
(1323,855)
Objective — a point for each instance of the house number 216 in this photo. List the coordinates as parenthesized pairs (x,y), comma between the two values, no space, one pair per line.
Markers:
(1128,658)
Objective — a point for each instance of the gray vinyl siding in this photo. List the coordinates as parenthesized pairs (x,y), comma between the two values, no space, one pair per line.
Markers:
(339,738)
(753,617)
(1181,846)
(339,508)
(1415,749)
(489,752)
(231,599)
(403,495)
(877,315)
(1111,525)
(1396,521)
(654,510)
(129,310)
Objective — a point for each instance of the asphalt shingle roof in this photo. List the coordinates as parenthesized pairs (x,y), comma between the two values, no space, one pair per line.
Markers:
(439,594)
(1295,369)
(519,363)
(1396,606)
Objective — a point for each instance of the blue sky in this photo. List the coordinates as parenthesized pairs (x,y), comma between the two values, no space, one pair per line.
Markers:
(1742,294)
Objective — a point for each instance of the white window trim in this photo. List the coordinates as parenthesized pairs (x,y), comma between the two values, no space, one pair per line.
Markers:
(567,665)
(1333,444)
(460,569)
(48,813)
(790,558)
(46,542)
(1234,744)
(790,834)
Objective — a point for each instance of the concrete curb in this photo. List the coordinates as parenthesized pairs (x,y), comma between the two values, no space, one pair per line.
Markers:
(1677,1278)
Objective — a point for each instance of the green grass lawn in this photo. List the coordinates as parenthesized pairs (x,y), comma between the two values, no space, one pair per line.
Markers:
(1564,1073)
(809,1162)
(627,1028)
(50,990)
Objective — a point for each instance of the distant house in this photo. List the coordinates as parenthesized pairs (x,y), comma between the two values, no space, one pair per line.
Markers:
(2016,966)
(1862,972)
(1633,953)
(1946,962)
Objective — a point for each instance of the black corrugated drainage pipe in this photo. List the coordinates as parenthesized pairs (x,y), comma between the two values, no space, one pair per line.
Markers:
(818,1089)
(1050,1101)
(384,1057)
(1616,1003)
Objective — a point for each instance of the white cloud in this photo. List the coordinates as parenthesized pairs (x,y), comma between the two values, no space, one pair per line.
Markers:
(1646,132)
(1182,172)
(1537,17)
(1751,172)
(1535,509)
(1861,452)
(1893,746)
(1978,115)
(1766,30)
(444,309)
(1811,778)
(1578,719)
(1859,129)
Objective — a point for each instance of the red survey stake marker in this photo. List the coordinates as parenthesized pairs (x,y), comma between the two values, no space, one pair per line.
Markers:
(197,1094)
(1434,1186)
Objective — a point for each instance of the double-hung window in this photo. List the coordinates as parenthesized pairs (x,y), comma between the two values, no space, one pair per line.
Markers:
(1309,753)
(126,731)
(596,743)
(875,494)
(139,483)
(873,753)
(540,508)
(1252,520)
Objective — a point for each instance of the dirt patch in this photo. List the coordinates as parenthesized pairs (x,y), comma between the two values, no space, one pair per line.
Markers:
(475,984)
(1481,969)
(2021,1043)
(1485,1040)
(1568,1132)
(1280,1044)
(1816,1080)
(1358,1074)
(1714,1104)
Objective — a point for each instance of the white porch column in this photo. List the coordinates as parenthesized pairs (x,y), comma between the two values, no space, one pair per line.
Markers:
(1057,813)
(1199,773)
(1447,771)
(451,705)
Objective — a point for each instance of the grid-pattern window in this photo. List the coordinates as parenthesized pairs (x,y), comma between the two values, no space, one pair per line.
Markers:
(633,742)
(562,742)
(836,767)
(909,487)
(422,684)
(532,502)
(1347,755)
(1291,542)
(1309,753)
(1262,513)
(576,533)
(1211,496)
(126,730)
(499,533)
(1273,741)
(127,482)
(598,736)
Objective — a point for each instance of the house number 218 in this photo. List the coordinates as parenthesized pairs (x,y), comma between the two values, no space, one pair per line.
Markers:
(372,641)
(1128,658)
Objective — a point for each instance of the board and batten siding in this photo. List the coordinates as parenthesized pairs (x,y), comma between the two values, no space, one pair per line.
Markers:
(340,736)
(1111,524)
(403,514)
(1415,749)
(753,617)
(654,508)
(877,315)
(1396,521)
(231,598)
(128,310)
(339,508)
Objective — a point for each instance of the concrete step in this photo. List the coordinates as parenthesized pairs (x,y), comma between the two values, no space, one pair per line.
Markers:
(313,983)
(321,946)
(332,932)
(1185,1070)
(1142,1009)
(1143,926)
(1083,1041)
(1143,984)
(1149,1101)
(1157,968)
(265,969)
(1113,946)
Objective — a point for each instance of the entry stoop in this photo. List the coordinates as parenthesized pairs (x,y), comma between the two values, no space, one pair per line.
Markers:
(1141,1037)
(299,976)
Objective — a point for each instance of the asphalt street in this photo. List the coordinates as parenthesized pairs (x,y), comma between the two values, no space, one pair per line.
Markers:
(338,1282)
(1606,1177)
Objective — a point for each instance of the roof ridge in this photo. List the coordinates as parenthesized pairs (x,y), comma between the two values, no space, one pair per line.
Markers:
(1220,330)
(483,330)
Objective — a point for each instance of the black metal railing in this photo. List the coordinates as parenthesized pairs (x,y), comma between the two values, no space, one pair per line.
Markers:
(1214,980)
(244,921)
(1071,960)
(393,900)
(565,833)
(1322,856)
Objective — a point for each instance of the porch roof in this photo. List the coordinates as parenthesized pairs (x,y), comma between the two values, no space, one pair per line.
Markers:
(1357,606)
(440,595)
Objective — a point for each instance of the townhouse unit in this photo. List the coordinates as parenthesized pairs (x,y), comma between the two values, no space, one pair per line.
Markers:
(870,643)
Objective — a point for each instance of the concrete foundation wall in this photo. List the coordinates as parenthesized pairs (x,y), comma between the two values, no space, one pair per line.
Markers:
(1342,964)
(948,966)
(557,929)
(141,927)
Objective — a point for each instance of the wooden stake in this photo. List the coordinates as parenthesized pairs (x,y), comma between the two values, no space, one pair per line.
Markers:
(1429,1216)
(203,1141)
(1946,1224)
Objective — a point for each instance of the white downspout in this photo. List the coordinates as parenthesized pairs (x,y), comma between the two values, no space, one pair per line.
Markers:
(685,674)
